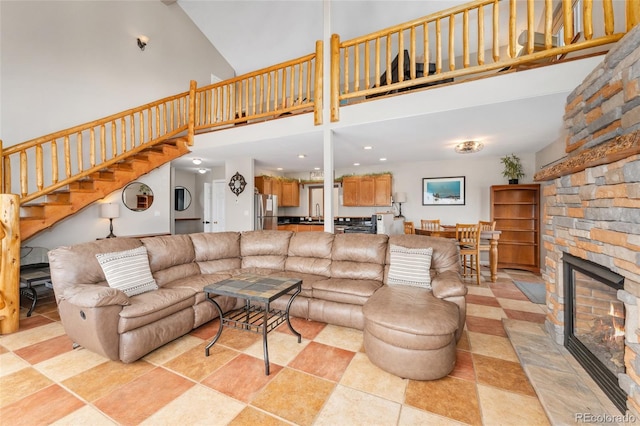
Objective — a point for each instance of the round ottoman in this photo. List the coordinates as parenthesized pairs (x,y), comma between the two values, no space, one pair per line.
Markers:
(410,333)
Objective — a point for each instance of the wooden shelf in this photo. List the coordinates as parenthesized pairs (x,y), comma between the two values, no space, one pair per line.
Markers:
(515,209)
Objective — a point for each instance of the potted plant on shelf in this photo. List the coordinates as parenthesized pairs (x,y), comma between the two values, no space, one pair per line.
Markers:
(512,168)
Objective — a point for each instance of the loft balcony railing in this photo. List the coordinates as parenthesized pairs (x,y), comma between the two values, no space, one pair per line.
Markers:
(467,41)
(457,43)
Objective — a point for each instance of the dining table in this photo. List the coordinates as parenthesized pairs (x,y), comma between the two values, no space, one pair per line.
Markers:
(449,231)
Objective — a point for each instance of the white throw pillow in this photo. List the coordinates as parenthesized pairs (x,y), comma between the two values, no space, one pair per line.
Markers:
(410,266)
(128,270)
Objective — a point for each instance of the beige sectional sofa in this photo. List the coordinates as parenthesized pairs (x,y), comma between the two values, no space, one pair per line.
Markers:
(340,275)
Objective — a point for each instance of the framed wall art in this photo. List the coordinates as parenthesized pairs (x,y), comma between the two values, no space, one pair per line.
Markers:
(443,191)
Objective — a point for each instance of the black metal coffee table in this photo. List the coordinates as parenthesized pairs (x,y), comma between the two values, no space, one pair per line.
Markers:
(256,316)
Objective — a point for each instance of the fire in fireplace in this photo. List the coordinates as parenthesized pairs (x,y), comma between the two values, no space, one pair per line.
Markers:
(594,323)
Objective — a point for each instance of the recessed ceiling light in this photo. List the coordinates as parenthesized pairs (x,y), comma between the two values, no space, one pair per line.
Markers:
(356,164)
(202,171)
(197,161)
(301,156)
(383,159)
(279,168)
(368,147)
(468,147)
(316,168)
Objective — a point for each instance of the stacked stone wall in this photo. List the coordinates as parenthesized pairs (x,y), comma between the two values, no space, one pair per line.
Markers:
(594,212)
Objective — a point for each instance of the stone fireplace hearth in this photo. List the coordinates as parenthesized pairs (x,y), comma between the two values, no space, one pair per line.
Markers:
(591,200)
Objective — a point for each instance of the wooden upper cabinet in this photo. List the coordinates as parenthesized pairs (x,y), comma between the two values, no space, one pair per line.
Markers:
(516,211)
(290,194)
(366,190)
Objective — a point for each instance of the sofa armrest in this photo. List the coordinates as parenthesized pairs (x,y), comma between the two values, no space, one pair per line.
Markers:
(448,284)
(93,296)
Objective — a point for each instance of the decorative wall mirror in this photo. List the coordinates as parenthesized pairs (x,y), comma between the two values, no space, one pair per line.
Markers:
(137,196)
(182,198)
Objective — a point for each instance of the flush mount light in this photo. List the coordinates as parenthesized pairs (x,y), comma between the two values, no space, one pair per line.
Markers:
(383,159)
(316,168)
(202,171)
(368,147)
(301,156)
(197,161)
(356,164)
(469,147)
(142,42)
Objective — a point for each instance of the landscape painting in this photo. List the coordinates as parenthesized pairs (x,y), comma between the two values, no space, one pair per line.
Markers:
(444,191)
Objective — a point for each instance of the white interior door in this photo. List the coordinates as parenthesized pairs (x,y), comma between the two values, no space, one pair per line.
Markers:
(208,207)
(217,206)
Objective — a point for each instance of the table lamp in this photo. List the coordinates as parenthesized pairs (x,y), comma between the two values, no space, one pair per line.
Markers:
(110,211)
(401,197)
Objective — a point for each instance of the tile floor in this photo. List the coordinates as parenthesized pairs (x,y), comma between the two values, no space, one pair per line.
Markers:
(325,380)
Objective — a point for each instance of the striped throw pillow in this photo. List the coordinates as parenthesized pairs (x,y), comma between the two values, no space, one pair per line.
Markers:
(410,266)
(128,270)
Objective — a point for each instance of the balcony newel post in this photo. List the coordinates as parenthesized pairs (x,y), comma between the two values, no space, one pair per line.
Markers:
(192,112)
(334,78)
(318,105)
(2,189)
(9,263)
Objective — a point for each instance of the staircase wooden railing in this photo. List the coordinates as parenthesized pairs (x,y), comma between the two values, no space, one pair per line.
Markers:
(9,263)
(82,150)
(356,64)
(288,87)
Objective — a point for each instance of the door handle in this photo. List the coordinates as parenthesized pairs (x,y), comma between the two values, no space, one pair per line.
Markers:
(206,222)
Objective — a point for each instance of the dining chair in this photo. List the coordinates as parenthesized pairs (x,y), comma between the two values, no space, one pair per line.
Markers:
(468,236)
(408,228)
(430,224)
(485,244)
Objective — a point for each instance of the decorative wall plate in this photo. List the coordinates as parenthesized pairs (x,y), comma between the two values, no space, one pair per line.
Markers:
(237,183)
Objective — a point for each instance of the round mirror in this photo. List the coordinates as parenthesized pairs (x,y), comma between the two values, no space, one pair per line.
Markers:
(182,198)
(137,196)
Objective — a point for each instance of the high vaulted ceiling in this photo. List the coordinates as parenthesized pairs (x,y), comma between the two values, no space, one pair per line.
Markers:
(256,34)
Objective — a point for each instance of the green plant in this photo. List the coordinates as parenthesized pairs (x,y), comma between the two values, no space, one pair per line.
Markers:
(512,167)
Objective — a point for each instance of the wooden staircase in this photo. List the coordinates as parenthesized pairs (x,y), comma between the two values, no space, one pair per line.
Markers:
(57,205)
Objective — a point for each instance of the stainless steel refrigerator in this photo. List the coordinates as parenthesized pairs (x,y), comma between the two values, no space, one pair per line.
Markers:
(266,211)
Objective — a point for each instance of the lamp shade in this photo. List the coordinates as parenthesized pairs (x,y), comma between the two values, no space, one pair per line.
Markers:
(401,197)
(110,210)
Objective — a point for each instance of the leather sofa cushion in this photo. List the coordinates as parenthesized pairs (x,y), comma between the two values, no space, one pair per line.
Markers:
(428,316)
(77,264)
(264,249)
(310,253)
(358,256)
(354,292)
(307,280)
(149,307)
(210,246)
(168,254)
(216,266)
(197,284)
(445,255)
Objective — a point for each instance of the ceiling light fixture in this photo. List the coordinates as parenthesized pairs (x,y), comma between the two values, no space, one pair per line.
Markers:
(469,147)
(279,168)
(356,164)
(368,147)
(197,161)
(316,168)
(301,156)
(142,42)
(202,171)
(383,159)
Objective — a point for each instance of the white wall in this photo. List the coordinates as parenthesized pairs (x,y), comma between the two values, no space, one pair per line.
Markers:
(239,210)
(63,63)
(87,225)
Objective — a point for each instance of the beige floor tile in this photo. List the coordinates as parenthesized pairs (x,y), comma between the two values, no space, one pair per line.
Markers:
(86,415)
(410,416)
(500,407)
(519,326)
(350,406)
(29,337)
(70,363)
(21,384)
(362,375)
(10,363)
(172,349)
(341,337)
(484,311)
(521,305)
(282,348)
(495,346)
(479,291)
(197,406)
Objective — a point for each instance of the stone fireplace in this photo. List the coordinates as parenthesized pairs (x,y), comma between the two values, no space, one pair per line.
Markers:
(591,205)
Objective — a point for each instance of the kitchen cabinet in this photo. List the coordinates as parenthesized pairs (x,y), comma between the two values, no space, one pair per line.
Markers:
(288,192)
(516,211)
(301,228)
(366,190)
